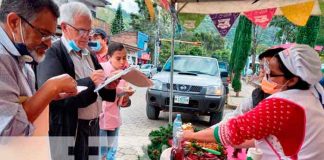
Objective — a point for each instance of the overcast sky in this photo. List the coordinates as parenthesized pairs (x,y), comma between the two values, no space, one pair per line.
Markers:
(128,5)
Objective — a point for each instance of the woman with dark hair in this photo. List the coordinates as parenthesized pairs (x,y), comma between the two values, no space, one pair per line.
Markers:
(110,118)
(287,124)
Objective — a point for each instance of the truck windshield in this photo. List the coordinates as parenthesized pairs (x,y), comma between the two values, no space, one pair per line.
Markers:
(198,65)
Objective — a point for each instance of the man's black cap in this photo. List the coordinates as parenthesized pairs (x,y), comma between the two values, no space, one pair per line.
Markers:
(100,32)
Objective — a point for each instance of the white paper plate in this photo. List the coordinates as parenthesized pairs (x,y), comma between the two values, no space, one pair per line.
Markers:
(79,88)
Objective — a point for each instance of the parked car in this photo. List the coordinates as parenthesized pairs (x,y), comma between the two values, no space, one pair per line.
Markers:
(148,69)
(197,87)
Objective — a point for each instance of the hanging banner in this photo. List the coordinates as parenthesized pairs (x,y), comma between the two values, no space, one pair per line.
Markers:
(165,4)
(261,17)
(224,21)
(150,8)
(298,14)
(191,21)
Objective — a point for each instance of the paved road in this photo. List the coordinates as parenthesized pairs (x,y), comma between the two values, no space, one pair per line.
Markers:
(136,126)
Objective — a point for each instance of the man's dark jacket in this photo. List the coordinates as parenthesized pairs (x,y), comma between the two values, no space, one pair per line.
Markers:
(63,114)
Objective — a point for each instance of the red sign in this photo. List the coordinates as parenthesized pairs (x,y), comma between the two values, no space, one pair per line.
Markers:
(146,57)
(261,17)
(165,4)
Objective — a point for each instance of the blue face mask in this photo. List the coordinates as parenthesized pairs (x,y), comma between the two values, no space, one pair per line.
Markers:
(74,46)
(94,46)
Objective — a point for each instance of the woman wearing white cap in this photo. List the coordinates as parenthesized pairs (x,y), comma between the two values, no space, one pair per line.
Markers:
(289,123)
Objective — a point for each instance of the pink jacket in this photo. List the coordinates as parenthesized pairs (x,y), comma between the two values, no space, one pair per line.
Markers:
(110,118)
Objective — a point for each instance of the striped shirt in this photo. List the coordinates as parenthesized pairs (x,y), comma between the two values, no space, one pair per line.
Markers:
(17,80)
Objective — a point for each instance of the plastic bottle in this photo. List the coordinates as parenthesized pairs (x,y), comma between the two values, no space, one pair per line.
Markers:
(177,123)
(177,150)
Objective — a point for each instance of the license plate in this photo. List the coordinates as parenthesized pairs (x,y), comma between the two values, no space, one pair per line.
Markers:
(181,99)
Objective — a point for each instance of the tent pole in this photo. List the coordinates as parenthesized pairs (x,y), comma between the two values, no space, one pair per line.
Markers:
(173,16)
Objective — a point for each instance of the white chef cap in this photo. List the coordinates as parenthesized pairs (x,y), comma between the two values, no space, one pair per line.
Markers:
(304,62)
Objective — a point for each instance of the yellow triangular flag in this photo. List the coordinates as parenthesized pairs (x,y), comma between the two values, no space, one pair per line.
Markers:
(150,8)
(299,13)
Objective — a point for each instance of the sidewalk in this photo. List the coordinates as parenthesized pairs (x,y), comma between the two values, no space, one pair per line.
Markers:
(234,101)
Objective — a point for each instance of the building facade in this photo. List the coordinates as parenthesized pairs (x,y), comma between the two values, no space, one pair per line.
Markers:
(136,45)
(92,4)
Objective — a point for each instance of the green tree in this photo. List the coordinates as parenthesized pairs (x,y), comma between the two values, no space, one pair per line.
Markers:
(261,48)
(141,22)
(256,39)
(320,38)
(236,83)
(165,52)
(210,42)
(241,49)
(234,48)
(118,23)
(287,31)
(195,51)
(308,34)
(222,55)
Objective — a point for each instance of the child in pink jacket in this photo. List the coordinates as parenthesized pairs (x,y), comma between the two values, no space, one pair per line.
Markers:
(109,119)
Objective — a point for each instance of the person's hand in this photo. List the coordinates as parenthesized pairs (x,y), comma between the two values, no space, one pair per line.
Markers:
(98,76)
(129,91)
(188,134)
(64,84)
(125,101)
(115,83)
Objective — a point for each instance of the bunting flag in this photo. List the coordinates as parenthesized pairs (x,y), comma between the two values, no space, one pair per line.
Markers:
(190,21)
(165,4)
(261,17)
(224,21)
(298,14)
(150,8)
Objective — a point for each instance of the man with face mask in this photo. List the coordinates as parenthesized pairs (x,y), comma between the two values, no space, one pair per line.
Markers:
(99,40)
(25,33)
(75,117)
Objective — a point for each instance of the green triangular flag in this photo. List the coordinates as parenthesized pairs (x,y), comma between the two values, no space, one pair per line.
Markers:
(190,21)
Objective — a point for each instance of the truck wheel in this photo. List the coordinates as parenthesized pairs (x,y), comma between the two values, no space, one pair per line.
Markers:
(215,117)
(152,112)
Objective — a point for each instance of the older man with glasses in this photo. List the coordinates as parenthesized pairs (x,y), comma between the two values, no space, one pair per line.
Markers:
(75,117)
(23,45)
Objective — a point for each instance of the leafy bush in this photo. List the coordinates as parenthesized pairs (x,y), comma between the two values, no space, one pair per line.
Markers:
(236,83)
(159,141)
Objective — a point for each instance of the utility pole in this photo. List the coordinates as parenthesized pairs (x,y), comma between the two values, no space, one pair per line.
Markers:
(157,40)
(174,21)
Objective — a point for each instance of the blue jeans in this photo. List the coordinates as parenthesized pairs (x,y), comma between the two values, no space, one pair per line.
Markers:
(109,143)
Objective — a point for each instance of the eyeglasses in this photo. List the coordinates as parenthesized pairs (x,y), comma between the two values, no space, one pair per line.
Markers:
(81,32)
(266,67)
(45,36)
